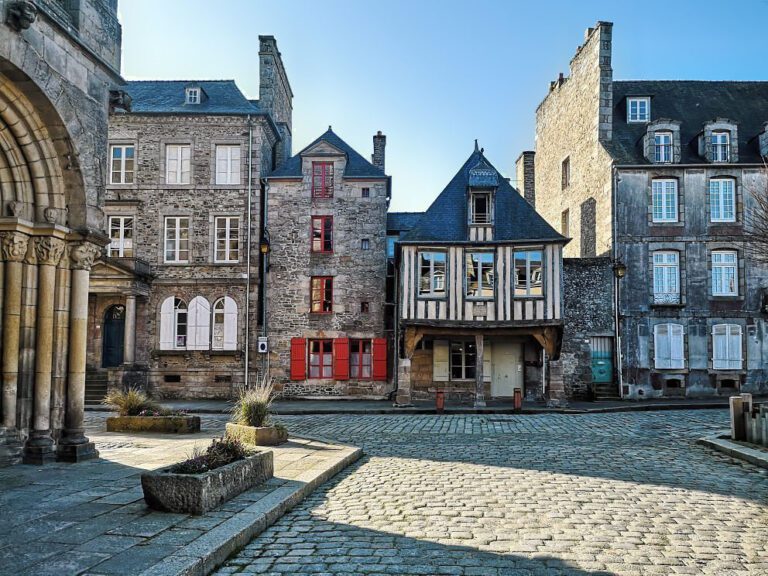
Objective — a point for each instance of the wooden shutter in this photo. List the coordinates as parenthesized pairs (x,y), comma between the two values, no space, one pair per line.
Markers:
(166,324)
(199,317)
(379,358)
(230,324)
(676,346)
(298,358)
(487,361)
(341,358)
(440,361)
(661,346)
(734,347)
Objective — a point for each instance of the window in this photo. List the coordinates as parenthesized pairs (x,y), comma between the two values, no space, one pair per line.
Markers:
(224,321)
(565,173)
(365,307)
(322,179)
(193,96)
(365,244)
(360,359)
(321,296)
(479,275)
(366,193)
(481,208)
(321,358)
(227,231)
(721,148)
(638,109)
(565,223)
(664,194)
(391,246)
(725,275)
(722,200)
(121,234)
(227,164)
(663,145)
(123,166)
(462,360)
(432,274)
(726,347)
(322,233)
(666,278)
(180,323)
(177,163)
(529,279)
(177,239)
(668,345)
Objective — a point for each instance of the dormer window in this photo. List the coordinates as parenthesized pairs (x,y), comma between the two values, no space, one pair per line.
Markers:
(481,208)
(638,109)
(663,147)
(721,147)
(192,96)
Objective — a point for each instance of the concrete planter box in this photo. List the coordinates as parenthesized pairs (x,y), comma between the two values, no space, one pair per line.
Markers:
(258,436)
(200,493)
(165,424)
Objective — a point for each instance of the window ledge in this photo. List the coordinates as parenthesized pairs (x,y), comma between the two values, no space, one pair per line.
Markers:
(725,298)
(727,372)
(480,300)
(661,305)
(424,297)
(670,370)
(157,352)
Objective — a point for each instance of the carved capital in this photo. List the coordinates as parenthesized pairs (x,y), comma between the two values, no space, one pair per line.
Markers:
(13,246)
(20,15)
(83,254)
(49,250)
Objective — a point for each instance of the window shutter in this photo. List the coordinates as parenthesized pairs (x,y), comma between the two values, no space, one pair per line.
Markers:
(166,324)
(230,324)
(677,357)
(440,361)
(379,358)
(661,346)
(298,358)
(487,361)
(199,324)
(341,358)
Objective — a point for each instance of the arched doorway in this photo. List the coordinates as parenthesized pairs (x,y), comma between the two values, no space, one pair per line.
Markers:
(113,336)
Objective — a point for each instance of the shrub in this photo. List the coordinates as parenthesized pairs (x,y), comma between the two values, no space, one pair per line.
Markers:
(220,452)
(253,404)
(130,402)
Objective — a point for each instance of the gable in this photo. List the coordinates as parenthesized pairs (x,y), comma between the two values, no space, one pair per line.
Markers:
(322,148)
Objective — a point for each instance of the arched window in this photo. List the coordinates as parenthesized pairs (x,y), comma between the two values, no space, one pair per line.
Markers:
(174,324)
(224,321)
(199,324)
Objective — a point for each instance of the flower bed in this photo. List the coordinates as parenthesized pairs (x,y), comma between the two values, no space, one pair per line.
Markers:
(168,424)
(257,435)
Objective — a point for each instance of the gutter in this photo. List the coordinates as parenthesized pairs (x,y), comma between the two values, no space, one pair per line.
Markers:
(248,256)
(616,284)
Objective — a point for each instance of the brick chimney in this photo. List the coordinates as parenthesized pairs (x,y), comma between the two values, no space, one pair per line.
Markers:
(526,176)
(379,143)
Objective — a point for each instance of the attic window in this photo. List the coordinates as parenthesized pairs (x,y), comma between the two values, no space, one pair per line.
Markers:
(639,109)
(481,208)
(193,96)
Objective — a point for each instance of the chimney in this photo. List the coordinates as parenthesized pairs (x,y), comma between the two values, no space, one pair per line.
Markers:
(526,176)
(379,143)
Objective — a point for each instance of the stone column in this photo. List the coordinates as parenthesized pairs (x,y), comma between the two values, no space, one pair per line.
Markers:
(74,446)
(39,446)
(129,354)
(479,382)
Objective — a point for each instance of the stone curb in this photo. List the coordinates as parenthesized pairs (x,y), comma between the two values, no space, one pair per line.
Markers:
(208,552)
(726,446)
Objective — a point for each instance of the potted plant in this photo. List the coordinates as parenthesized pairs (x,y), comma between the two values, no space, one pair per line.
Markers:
(251,418)
(207,479)
(138,413)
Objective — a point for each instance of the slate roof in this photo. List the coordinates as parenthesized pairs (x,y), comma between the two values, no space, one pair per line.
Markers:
(220,97)
(692,103)
(357,166)
(402,221)
(446,219)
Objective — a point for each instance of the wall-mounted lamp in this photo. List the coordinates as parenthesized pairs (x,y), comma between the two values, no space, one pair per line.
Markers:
(619,269)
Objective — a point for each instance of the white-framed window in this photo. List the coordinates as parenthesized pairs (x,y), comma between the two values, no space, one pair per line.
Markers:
(432,271)
(227,164)
(463,360)
(176,239)
(638,109)
(668,343)
(664,197)
(123,163)
(725,273)
(663,146)
(224,322)
(481,208)
(227,239)
(722,200)
(177,163)
(666,278)
(726,347)
(721,147)
(479,282)
(529,273)
(121,236)
(192,96)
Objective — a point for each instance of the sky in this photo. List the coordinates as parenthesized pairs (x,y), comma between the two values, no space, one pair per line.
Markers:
(434,75)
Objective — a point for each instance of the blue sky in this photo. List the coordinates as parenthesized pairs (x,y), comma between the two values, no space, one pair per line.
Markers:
(433,75)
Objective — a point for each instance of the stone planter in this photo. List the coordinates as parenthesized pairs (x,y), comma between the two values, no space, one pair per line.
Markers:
(164,424)
(200,493)
(257,435)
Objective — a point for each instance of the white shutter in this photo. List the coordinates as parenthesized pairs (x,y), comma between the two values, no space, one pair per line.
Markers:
(661,346)
(487,361)
(230,324)
(676,346)
(440,361)
(734,347)
(166,324)
(199,324)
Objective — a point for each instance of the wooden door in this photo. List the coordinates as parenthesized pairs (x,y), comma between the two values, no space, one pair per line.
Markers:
(507,369)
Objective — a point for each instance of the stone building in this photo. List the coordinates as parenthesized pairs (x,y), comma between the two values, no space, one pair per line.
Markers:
(479,308)
(173,303)
(658,176)
(58,63)
(325,286)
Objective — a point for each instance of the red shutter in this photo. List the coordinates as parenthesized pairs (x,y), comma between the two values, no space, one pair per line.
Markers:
(341,358)
(379,358)
(298,358)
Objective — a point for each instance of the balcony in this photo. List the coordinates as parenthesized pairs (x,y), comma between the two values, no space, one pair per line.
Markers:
(666,298)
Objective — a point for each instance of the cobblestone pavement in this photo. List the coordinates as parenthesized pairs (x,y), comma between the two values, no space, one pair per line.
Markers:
(626,493)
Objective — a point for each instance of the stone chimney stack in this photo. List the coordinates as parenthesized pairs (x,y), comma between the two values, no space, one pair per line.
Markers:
(526,176)
(275,94)
(379,143)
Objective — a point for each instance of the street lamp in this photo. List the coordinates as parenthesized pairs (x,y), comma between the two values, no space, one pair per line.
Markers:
(619,269)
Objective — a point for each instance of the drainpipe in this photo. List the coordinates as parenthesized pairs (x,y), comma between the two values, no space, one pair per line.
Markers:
(396,328)
(248,256)
(264,259)
(616,285)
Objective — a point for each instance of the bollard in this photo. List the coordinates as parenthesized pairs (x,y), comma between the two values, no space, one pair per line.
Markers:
(763,424)
(440,401)
(738,431)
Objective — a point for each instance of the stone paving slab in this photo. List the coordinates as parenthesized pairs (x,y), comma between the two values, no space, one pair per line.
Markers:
(90,518)
(757,455)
